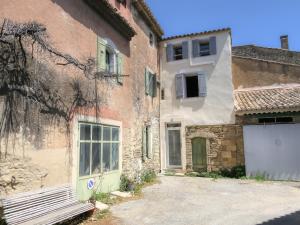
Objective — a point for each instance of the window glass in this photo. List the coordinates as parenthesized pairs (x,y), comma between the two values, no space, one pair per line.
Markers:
(107,60)
(204,49)
(106,157)
(85,132)
(84,168)
(192,88)
(99,149)
(115,134)
(177,52)
(115,156)
(96,158)
(96,133)
(106,134)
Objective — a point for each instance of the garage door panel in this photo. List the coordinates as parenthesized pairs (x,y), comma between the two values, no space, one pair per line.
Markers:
(273,150)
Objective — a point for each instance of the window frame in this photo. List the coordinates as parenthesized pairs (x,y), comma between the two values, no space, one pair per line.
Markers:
(179,46)
(185,85)
(101,142)
(203,53)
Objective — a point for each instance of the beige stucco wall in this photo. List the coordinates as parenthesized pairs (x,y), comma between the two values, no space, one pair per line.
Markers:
(73,28)
(248,73)
(216,108)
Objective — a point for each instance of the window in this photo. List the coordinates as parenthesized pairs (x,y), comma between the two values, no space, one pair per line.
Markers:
(147,142)
(162,94)
(204,49)
(150,83)
(190,85)
(178,52)
(109,59)
(98,149)
(151,38)
(276,120)
(192,89)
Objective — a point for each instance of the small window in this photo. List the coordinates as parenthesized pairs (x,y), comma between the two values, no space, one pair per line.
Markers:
(162,94)
(151,38)
(276,120)
(178,52)
(148,142)
(192,88)
(204,48)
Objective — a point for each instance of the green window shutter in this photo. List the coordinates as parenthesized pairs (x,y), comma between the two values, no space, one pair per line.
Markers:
(151,88)
(154,85)
(101,54)
(120,68)
(147,82)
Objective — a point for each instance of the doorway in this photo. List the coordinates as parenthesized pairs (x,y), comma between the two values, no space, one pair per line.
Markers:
(174,147)
(199,154)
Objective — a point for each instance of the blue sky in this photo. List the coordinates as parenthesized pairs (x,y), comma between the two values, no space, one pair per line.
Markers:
(259,22)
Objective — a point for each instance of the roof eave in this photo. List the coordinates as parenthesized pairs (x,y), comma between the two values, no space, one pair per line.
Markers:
(110,14)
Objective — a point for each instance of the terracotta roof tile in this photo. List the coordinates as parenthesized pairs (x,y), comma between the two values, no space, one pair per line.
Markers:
(267,99)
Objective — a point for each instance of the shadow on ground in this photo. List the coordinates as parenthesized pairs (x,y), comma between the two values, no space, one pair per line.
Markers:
(289,219)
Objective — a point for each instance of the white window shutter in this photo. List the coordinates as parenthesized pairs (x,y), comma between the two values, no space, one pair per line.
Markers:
(185,49)
(196,48)
(202,85)
(179,85)
(101,54)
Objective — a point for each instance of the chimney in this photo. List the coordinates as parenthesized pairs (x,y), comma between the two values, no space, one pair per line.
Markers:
(284,39)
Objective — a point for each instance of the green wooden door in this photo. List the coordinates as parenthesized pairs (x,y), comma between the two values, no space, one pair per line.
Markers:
(199,154)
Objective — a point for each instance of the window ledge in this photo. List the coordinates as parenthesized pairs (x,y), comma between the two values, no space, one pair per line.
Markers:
(212,62)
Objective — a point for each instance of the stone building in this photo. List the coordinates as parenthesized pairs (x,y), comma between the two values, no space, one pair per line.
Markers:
(267,106)
(197,122)
(123,37)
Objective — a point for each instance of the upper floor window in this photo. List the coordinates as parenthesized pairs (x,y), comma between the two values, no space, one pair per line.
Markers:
(177,51)
(150,83)
(190,85)
(109,59)
(151,38)
(204,47)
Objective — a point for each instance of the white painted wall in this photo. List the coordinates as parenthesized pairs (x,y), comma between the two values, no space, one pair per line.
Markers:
(216,107)
(273,151)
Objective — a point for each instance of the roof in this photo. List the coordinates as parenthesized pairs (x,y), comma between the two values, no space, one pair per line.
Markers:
(269,99)
(277,55)
(148,16)
(197,34)
(112,16)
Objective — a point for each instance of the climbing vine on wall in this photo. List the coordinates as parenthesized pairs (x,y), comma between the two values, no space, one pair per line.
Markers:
(35,82)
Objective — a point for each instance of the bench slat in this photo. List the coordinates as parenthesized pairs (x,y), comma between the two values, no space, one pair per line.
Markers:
(62,215)
(44,201)
(14,200)
(45,206)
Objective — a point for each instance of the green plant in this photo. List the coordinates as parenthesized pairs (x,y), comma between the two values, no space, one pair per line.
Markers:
(259,177)
(234,172)
(102,214)
(125,183)
(148,176)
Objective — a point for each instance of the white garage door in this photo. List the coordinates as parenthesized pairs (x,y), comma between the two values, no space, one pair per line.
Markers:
(273,150)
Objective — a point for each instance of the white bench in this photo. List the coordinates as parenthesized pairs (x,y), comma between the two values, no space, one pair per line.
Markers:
(46,206)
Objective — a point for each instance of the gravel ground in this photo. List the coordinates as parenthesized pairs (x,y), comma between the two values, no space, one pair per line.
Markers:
(204,201)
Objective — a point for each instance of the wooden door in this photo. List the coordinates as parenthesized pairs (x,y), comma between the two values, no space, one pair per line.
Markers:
(199,154)
(174,151)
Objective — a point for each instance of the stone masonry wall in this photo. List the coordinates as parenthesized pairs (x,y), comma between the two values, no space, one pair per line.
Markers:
(224,145)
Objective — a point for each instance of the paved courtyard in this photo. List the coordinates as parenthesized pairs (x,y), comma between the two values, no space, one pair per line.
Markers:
(204,201)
